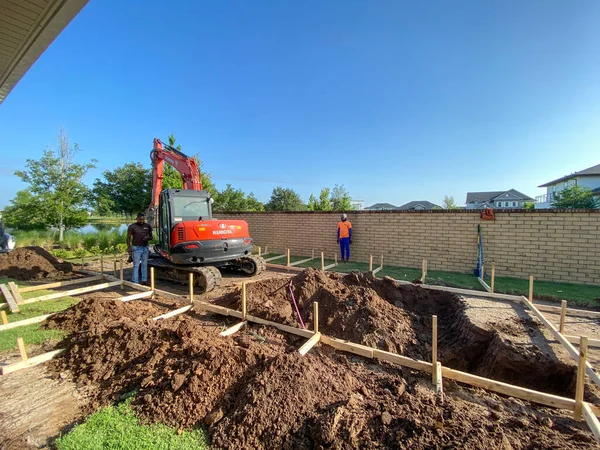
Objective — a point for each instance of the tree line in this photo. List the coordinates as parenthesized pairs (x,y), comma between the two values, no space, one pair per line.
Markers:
(56,195)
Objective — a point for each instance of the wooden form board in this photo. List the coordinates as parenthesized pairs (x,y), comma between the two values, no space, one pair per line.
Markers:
(575,340)
(30,362)
(314,340)
(60,284)
(570,311)
(83,290)
(302,261)
(12,304)
(560,338)
(273,258)
(591,420)
(21,323)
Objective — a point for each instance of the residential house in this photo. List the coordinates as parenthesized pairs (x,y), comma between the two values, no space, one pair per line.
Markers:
(418,205)
(381,207)
(510,199)
(589,177)
(357,205)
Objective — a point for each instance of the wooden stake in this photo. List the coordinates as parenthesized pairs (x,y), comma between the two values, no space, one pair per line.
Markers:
(335,258)
(483,271)
(316,317)
(563,316)
(423,270)
(434,349)
(530,288)
(234,329)
(288,257)
(12,303)
(258,251)
(493,276)
(310,344)
(101,265)
(191,283)
(14,289)
(370,263)
(322,261)
(266,249)
(173,313)
(115,267)
(152,280)
(121,272)
(4,318)
(22,350)
(83,260)
(583,348)
(381,265)
(244,301)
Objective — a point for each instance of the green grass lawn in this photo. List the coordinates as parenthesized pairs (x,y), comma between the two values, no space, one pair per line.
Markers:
(576,294)
(32,334)
(117,427)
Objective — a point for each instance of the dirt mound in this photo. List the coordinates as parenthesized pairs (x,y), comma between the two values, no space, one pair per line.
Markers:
(384,314)
(33,263)
(89,309)
(253,390)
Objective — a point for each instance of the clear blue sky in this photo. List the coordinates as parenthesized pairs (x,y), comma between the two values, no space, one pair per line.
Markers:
(396,101)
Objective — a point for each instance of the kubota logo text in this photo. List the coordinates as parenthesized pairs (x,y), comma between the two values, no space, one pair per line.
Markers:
(222,232)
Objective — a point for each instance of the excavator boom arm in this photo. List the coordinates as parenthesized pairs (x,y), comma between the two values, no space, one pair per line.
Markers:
(185,165)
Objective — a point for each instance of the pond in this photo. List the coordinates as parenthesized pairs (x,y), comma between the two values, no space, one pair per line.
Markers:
(95,227)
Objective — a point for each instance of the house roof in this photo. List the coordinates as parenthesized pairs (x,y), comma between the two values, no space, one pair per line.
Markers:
(594,170)
(424,203)
(28,28)
(482,197)
(382,206)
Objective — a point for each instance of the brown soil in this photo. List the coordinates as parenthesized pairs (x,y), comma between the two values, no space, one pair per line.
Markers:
(33,263)
(253,390)
(384,314)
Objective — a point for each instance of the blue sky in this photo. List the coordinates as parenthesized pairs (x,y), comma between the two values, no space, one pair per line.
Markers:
(398,101)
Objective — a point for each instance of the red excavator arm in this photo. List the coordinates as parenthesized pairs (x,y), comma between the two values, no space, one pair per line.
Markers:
(186,166)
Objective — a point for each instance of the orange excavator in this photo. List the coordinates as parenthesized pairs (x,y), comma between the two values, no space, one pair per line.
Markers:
(190,240)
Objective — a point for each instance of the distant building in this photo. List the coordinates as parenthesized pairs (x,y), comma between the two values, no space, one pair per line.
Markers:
(381,207)
(589,177)
(418,205)
(510,199)
(357,204)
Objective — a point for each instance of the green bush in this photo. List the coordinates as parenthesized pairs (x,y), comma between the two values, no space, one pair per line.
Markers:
(60,253)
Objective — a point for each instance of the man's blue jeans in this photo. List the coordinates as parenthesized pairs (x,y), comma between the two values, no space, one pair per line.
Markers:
(345,248)
(139,256)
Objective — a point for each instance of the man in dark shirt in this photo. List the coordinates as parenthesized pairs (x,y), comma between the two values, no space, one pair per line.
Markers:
(139,234)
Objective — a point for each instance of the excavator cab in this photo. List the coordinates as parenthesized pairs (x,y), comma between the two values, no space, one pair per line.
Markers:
(176,206)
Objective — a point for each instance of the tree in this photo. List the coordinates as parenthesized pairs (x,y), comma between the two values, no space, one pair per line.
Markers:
(26,212)
(231,199)
(322,204)
(449,203)
(283,199)
(126,190)
(575,197)
(55,181)
(172,178)
(340,199)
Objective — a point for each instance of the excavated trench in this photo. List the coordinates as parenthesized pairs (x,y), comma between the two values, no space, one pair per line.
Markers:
(397,317)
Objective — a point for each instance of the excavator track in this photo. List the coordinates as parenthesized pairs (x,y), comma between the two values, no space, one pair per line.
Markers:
(250,266)
(206,278)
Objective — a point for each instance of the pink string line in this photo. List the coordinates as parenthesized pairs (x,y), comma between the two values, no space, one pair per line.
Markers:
(296,306)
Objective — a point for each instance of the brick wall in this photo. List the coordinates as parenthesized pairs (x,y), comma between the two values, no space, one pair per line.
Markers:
(551,245)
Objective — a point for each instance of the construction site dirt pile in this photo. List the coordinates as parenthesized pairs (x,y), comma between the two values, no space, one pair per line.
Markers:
(254,390)
(33,263)
(383,314)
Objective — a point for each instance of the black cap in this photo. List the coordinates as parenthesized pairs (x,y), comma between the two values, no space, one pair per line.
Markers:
(141,215)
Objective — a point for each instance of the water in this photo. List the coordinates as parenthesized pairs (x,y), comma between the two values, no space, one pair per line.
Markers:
(99,226)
